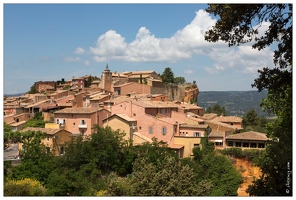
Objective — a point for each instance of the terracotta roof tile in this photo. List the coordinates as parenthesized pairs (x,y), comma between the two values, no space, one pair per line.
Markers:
(49,131)
(228,119)
(216,134)
(250,135)
(78,110)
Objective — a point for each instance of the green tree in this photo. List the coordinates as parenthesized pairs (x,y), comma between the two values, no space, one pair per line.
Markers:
(237,25)
(141,78)
(167,178)
(251,118)
(88,82)
(33,90)
(7,134)
(36,121)
(216,109)
(36,162)
(168,76)
(179,80)
(253,122)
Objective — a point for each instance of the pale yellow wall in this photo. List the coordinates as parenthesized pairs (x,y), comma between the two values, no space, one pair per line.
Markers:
(116,123)
(188,143)
(52,125)
(138,140)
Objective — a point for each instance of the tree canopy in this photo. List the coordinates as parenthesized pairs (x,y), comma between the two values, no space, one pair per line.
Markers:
(168,75)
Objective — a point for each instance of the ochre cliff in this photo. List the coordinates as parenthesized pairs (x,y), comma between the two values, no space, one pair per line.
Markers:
(249,173)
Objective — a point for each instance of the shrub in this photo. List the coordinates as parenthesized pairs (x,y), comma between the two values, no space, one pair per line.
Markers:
(24,187)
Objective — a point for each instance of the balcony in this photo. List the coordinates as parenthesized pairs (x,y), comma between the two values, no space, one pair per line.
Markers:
(82,125)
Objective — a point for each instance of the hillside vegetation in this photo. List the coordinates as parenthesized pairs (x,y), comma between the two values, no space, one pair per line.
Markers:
(236,103)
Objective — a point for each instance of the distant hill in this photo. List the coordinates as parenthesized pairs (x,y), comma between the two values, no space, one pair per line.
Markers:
(14,95)
(236,103)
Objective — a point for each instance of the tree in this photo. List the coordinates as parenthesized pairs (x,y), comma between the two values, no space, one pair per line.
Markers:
(180,80)
(251,118)
(216,109)
(36,162)
(166,178)
(7,134)
(33,90)
(36,121)
(237,25)
(253,122)
(88,82)
(141,78)
(168,76)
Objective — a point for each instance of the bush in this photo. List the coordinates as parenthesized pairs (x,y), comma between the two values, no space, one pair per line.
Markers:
(25,187)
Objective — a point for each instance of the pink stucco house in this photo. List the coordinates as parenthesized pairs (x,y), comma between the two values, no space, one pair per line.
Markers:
(80,120)
(164,121)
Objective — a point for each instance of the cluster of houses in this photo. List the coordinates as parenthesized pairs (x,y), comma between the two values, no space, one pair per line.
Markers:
(133,102)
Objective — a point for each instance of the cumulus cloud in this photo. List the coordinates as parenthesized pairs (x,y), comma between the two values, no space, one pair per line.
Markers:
(86,62)
(184,44)
(146,47)
(79,50)
(243,59)
(72,59)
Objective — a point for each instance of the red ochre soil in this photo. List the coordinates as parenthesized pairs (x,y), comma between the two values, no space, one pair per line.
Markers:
(248,172)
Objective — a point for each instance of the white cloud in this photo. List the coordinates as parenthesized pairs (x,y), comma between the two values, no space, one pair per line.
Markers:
(184,44)
(146,47)
(189,71)
(86,62)
(72,59)
(79,50)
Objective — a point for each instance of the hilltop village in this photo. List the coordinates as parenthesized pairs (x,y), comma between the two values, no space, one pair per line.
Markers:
(136,102)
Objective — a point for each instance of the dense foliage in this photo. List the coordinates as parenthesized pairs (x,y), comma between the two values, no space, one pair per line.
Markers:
(219,110)
(106,165)
(238,25)
(36,121)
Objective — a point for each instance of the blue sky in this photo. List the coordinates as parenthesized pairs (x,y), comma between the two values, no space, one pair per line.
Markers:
(48,42)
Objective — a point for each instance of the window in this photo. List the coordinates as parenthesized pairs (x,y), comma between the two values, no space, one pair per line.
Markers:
(82,122)
(134,114)
(47,138)
(140,127)
(163,130)
(160,110)
(62,150)
(196,145)
(230,144)
(253,145)
(150,129)
(261,145)
(196,134)
(47,149)
(238,144)
(218,144)
(58,121)
(64,121)
(82,132)
(245,144)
